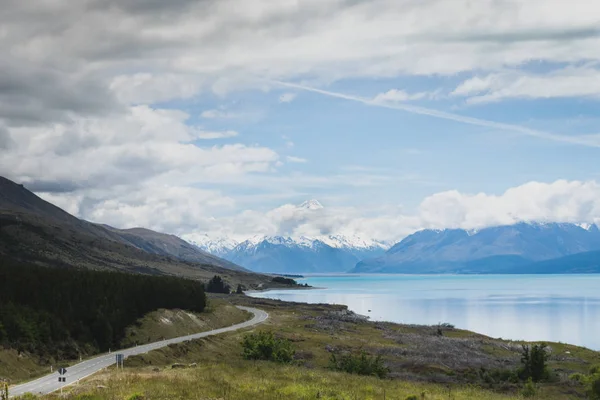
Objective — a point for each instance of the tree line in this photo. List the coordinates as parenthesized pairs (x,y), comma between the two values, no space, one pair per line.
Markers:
(67,312)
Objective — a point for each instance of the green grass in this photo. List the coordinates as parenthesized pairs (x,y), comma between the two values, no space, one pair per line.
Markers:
(455,365)
(267,381)
(166,324)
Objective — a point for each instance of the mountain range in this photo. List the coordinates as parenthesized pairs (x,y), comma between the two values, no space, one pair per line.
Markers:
(33,230)
(519,248)
(284,254)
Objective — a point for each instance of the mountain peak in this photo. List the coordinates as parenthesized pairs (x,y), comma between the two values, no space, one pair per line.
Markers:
(311,205)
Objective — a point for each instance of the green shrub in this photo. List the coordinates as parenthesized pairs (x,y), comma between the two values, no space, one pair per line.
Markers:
(265,346)
(594,387)
(136,396)
(533,360)
(360,364)
(412,397)
(529,390)
(594,369)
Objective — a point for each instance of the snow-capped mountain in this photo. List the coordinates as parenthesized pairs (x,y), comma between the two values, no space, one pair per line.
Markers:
(284,254)
(325,253)
(279,254)
(216,246)
(311,205)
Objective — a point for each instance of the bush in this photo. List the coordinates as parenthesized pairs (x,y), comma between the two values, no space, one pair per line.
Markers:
(533,360)
(412,397)
(360,364)
(529,390)
(265,346)
(217,285)
(594,387)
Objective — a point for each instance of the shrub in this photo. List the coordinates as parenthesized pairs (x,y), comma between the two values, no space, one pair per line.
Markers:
(594,387)
(533,360)
(412,397)
(265,346)
(217,285)
(240,289)
(136,396)
(360,364)
(529,389)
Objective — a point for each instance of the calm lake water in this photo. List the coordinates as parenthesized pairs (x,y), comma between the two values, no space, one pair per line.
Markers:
(558,308)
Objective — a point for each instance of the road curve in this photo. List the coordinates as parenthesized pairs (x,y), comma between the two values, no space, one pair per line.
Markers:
(50,383)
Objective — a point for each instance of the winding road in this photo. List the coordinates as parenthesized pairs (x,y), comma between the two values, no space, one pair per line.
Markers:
(50,383)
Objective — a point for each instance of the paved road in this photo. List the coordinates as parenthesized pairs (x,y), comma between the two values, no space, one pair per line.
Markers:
(49,383)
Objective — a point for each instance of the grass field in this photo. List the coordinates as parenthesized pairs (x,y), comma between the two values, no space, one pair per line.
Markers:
(454,365)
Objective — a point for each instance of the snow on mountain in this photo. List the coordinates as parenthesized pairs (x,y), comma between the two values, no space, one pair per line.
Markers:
(353,242)
(217,246)
(311,205)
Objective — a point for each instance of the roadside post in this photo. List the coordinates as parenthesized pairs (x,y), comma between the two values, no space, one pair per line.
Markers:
(4,390)
(62,378)
(120,358)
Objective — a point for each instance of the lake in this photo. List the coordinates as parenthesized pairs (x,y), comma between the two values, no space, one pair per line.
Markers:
(558,308)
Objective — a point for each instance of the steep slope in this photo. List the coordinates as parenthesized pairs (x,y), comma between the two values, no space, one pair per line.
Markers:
(278,254)
(488,250)
(34,230)
(170,245)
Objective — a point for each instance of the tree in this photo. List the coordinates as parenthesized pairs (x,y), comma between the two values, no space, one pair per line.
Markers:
(217,285)
(533,361)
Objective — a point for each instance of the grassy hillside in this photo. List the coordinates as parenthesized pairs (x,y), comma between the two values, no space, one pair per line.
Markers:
(166,324)
(35,231)
(454,365)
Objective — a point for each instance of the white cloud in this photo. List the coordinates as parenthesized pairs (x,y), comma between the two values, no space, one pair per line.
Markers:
(293,159)
(229,45)
(216,135)
(219,114)
(287,97)
(144,144)
(560,201)
(567,82)
(396,95)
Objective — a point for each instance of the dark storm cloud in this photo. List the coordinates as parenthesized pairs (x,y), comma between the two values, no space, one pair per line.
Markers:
(31,94)
(55,186)
(556,35)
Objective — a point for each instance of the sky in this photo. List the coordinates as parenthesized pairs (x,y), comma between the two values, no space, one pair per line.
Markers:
(220,117)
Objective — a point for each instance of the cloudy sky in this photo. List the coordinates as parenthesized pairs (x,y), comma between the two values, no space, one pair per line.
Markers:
(217,116)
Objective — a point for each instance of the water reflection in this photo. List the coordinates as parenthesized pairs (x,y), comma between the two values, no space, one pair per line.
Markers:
(552,308)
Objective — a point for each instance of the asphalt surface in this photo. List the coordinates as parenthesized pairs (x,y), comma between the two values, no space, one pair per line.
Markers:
(50,383)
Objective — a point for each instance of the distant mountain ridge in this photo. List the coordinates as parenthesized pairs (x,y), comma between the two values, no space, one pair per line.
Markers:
(495,249)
